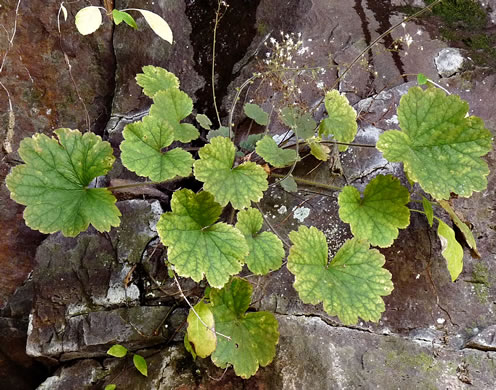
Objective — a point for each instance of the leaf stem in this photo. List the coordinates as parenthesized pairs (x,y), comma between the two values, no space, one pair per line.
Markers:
(218,17)
(142,184)
(272,227)
(310,182)
(236,98)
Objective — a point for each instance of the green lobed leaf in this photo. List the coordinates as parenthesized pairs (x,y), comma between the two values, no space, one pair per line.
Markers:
(439,146)
(250,142)
(239,185)
(342,122)
(273,154)
(88,20)
(197,245)
(253,111)
(289,184)
(173,105)
(140,364)
(142,150)
(452,251)
(199,335)
(254,336)
(429,213)
(266,250)
(377,216)
(319,151)
(220,132)
(117,350)
(53,182)
(350,286)
(155,79)
(204,121)
(302,124)
(188,346)
(121,16)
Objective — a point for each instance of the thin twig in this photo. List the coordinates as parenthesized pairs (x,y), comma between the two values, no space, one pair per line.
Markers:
(309,182)
(272,227)
(196,314)
(218,17)
(236,98)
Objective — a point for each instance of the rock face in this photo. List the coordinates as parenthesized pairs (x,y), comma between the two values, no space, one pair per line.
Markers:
(91,292)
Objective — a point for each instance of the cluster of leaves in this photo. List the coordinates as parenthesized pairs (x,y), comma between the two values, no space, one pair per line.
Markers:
(439,145)
(119,351)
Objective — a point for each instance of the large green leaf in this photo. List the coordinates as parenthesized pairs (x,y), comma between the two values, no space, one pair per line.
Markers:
(54,179)
(203,338)
(155,79)
(196,244)
(452,251)
(350,286)
(253,335)
(142,150)
(439,145)
(239,185)
(173,105)
(266,250)
(377,216)
(253,111)
(273,154)
(342,122)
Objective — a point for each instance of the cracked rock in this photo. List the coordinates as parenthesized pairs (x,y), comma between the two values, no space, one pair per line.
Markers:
(485,340)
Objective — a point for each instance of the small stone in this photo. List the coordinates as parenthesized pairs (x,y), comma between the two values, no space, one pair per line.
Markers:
(449,61)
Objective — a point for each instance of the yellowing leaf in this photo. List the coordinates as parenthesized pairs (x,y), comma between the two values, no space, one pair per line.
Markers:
(197,245)
(155,79)
(203,338)
(64,11)
(157,24)
(266,250)
(88,20)
(53,183)
(377,216)
(342,119)
(319,151)
(439,145)
(452,251)
(273,154)
(188,346)
(239,185)
(350,286)
(142,150)
(253,335)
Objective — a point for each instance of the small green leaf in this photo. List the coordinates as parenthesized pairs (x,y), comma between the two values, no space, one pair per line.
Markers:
(253,335)
(88,20)
(467,233)
(155,79)
(266,250)
(196,244)
(117,350)
(452,251)
(140,364)
(203,338)
(53,183)
(250,142)
(253,111)
(273,154)
(188,346)
(421,79)
(173,105)
(289,184)
(377,216)
(157,24)
(204,121)
(350,286)
(302,124)
(110,387)
(342,122)
(439,146)
(319,151)
(239,185)
(429,213)
(121,16)
(220,132)
(142,150)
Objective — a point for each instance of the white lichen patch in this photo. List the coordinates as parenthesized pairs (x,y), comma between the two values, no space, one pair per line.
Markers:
(300,213)
(282,210)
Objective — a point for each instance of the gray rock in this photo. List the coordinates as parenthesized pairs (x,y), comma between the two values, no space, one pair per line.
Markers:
(449,61)
(485,340)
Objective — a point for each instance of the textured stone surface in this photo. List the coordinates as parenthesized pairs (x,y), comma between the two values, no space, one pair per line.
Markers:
(449,61)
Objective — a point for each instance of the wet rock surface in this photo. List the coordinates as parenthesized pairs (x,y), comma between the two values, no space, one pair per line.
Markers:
(88,293)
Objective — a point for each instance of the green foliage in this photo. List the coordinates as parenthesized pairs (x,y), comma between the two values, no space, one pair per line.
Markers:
(142,150)
(188,346)
(461,13)
(121,16)
(140,364)
(110,387)
(265,249)
(197,245)
(203,338)
(422,79)
(341,123)
(377,216)
(439,146)
(204,121)
(250,142)
(53,183)
(302,124)
(273,154)
(289,184)
(155,79)
(220,132)
(452,251)
(319,151)
(429,212)
(253,335)
(117,350)
(253,111)
(350,286)
(239,185)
